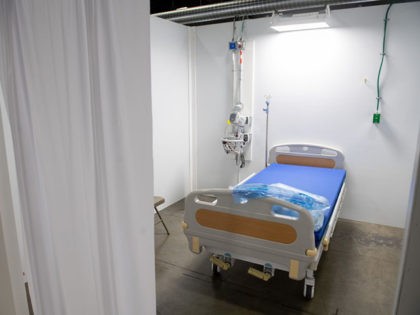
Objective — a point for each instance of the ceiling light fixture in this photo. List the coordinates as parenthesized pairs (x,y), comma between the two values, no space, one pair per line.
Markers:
(300,22)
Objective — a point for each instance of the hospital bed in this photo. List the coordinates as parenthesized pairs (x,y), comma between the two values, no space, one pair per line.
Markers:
(251,231)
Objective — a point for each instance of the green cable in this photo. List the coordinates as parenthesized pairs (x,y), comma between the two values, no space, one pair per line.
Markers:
(378,97)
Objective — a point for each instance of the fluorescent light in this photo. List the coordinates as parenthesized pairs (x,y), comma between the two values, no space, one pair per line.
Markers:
(300,27)
(300,22)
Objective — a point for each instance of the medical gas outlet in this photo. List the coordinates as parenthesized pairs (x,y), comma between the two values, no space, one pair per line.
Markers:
(237,144)
(239,120)
(238,136)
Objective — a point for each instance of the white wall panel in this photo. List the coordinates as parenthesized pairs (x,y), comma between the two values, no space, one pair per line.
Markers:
(407,294)
(12,289)
(170,102)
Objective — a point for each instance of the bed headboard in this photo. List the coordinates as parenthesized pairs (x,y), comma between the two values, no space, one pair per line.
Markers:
(306,154)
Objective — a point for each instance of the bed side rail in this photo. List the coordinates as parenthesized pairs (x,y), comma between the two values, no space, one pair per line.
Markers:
(213,215)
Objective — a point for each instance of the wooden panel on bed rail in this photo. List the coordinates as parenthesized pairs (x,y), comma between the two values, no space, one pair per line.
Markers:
(247,226)
(308,161)
(309,155)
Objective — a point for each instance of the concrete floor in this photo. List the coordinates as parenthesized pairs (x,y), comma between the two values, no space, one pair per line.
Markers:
(358,275)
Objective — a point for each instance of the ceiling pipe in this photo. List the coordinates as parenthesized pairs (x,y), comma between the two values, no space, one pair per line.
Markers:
(231,9)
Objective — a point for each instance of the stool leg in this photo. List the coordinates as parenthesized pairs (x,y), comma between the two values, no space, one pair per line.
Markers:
(161,220)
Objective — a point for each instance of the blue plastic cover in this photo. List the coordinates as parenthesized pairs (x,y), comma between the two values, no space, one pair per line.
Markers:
(317,205)
(326,182)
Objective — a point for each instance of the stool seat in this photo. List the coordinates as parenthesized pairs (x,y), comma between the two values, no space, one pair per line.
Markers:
(157,201)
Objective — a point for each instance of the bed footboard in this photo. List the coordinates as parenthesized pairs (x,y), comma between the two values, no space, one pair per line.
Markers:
(250,231)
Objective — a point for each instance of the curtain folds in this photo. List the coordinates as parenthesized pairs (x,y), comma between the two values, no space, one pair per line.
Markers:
(81,126)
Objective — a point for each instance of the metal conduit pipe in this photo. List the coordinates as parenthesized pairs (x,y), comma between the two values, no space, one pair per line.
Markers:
(251,7)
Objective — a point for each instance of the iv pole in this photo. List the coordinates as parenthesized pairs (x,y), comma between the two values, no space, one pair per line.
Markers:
(267,111)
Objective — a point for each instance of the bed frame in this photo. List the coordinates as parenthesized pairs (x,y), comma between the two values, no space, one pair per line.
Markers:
(250,232)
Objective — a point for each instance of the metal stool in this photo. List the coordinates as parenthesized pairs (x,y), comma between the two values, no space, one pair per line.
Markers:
(157,200)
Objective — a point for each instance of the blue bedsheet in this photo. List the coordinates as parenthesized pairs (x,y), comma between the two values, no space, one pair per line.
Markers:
(325,182)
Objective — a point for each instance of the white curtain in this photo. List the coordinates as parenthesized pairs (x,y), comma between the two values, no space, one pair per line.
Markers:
(80,111)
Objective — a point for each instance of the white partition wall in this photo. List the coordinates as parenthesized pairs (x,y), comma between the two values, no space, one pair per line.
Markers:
(322,84)
(12,288)
(170,99)
(407,293)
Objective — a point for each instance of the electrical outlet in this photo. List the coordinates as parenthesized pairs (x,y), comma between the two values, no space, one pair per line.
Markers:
(376,118)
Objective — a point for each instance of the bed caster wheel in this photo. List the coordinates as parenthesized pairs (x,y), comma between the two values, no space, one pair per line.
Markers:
(308,292)
(309,285)
(215,270)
